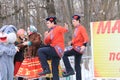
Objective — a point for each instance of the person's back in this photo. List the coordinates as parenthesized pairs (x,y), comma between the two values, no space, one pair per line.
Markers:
(35,40)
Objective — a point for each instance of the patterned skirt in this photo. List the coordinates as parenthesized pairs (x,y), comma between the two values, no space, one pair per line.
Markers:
(16,67)
(30,68)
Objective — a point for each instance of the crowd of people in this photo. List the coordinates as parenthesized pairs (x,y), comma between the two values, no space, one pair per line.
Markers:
(33,53)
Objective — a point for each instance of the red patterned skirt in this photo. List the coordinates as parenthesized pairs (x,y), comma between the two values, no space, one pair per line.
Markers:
(30,68)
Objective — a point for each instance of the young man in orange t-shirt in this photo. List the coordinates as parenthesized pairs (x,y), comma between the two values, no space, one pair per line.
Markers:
(78,42)
(54,39)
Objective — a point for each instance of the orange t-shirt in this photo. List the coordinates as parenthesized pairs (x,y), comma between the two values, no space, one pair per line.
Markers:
(56,39)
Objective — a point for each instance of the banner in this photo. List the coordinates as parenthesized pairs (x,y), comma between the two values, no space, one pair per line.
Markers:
(105,41)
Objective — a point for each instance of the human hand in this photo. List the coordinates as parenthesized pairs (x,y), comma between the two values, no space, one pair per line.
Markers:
(66,25)
(17,49)
(82,49)
(25,43)
(69,43)
(46,33)
(1,52)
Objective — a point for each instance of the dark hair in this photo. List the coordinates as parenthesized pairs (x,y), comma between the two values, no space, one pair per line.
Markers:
(51,19)
(76,17)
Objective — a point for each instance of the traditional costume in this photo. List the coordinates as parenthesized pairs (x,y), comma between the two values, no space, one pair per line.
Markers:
(79,41)
(54,38)
(19,56)
(31,65)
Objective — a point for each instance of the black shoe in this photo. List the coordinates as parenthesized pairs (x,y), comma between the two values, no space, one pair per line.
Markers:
(46,71)
(66,74)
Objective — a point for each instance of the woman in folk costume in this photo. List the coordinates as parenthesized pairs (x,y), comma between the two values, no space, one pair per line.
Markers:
(31,65)
(19,56)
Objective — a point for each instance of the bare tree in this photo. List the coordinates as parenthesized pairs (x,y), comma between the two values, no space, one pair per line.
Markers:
(50,8)
(118,3)
(22,13)
(0,15)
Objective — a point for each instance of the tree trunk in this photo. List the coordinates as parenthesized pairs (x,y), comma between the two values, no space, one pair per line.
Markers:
(27,18)
(1,21)
(50,8)
(118,2)
(15,8)
(86,16)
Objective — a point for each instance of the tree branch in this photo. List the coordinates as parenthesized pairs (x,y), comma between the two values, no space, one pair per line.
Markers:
(14,13)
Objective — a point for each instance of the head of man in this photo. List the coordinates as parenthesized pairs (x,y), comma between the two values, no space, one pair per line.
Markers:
(75,20)
(51,22)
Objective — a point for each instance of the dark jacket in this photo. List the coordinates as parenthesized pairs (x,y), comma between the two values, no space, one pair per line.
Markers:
(19,56)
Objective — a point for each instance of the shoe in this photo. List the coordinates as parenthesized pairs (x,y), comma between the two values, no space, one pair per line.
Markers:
(66,74)
(46,71)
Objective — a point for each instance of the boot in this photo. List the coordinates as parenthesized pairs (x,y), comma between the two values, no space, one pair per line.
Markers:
(45,71)
(66,74)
